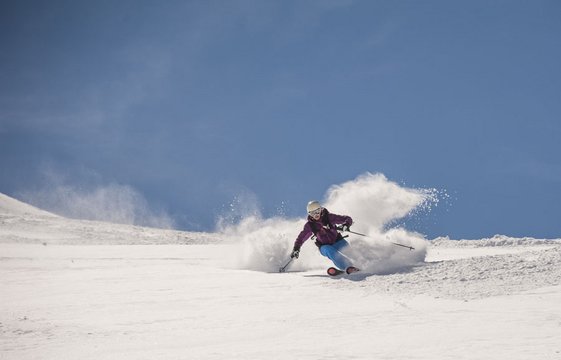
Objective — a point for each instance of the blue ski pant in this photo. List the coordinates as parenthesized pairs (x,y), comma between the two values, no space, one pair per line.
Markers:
(334,254)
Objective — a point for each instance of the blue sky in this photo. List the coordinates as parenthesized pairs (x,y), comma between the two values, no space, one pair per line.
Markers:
(194,104)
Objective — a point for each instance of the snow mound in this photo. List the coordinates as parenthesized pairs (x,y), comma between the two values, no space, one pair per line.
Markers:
(11,206)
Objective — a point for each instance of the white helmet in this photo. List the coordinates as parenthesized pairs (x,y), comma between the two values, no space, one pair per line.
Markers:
(313,205)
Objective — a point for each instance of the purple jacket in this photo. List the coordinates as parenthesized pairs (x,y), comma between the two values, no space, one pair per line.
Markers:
(325,229)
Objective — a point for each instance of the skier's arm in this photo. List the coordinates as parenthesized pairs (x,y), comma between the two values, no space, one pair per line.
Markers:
(345,221)
(302,237)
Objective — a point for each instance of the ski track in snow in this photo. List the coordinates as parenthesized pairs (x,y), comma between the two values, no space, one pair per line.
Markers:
(92,290)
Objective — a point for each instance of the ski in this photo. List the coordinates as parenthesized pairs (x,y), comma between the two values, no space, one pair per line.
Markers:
(335,272)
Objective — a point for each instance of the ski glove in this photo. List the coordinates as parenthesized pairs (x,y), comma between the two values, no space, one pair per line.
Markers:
(295,253)
(346,227)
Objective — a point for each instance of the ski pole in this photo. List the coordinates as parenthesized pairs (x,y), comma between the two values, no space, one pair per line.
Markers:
(398,244)
(285,266)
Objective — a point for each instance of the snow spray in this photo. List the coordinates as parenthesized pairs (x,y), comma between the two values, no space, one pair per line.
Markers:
(371,200)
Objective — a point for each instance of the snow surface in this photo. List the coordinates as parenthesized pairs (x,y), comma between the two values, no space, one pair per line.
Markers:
(75,289)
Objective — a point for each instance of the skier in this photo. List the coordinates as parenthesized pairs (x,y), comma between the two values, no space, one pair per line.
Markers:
(330,242)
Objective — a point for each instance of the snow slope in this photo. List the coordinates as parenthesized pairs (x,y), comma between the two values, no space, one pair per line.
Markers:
(11,207)
(76,289)
(22,223)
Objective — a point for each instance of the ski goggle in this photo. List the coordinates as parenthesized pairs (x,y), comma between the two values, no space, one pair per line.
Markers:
(315,212)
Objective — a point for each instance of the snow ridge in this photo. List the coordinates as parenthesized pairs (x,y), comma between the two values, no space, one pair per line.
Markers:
(11,206)
(497,240)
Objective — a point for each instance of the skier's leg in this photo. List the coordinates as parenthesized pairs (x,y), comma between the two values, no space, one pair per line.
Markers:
(331,252)
(339,245)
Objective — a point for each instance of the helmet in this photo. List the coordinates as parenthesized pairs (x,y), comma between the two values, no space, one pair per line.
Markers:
(313,205)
